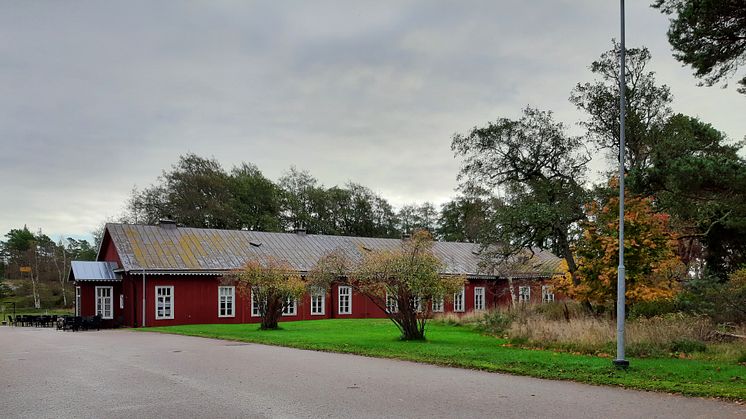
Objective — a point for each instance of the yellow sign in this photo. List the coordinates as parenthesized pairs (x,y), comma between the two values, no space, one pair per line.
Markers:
(26,269)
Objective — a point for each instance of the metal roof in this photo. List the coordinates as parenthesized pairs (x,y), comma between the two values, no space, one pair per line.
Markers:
(93,271)
(186,250)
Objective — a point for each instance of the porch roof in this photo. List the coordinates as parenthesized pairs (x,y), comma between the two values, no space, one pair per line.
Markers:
(93,271)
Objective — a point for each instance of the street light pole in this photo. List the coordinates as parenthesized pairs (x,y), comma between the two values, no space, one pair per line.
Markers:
(620,282)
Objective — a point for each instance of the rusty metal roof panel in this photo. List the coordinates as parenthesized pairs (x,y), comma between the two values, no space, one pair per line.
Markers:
(195,249)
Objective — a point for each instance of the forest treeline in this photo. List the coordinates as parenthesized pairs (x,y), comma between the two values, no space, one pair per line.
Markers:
(200,192)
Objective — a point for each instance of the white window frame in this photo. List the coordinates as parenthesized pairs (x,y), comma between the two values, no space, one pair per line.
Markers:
(524,294)
(121,301)
(254,305)
(458,301)
(348,297)
(104,300)
(77,301)
(417,303)
(318,302)
(290,308)
(171,299)
(479,299)
(437,305)
(230,301)
(547,294)
(392,303)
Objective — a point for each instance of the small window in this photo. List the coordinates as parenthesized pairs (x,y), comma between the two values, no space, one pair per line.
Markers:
(121,301)
(164,303)
(77,301)
(392,305)
(479,298)
(104,302)
(254,304)
(417,303)
(226,298)
(524,294)
(547,294)
(458,301)
(345,299)
(290,308)
(438,305)
(318,302)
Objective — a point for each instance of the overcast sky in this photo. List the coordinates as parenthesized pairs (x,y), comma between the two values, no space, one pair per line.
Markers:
(97,97)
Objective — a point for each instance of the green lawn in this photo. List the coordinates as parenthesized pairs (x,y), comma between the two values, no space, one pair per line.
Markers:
(461,346)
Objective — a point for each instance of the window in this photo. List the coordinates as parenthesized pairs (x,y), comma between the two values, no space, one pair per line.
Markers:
(121,301)
(479,298)
(77,301)
(437,304)
(417,303)
(458,301)
(164,303)
(290,308)
(524,294)
(345,300)
(392,305)
(254,305)
(104,303)
(547,294)
(226,298)
(318,302)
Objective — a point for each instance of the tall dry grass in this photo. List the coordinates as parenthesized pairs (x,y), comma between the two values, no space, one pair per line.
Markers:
(570,327)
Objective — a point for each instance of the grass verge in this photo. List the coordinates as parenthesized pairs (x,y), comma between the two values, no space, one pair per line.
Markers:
(460,346)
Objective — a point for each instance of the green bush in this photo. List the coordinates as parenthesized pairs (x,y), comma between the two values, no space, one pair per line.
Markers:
(495,322)
(687,346)
(647,309)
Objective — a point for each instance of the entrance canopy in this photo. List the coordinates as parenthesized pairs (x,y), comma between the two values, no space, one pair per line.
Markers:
(93,271)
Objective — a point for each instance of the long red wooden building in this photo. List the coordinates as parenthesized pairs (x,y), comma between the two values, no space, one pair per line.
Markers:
(176,275)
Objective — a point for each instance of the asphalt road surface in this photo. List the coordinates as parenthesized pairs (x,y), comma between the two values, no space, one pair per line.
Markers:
(46,373)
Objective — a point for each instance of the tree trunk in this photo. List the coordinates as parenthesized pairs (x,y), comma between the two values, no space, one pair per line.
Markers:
(35,273)
(512,292)
(410,328)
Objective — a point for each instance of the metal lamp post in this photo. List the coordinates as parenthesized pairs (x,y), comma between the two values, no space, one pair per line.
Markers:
(620,282)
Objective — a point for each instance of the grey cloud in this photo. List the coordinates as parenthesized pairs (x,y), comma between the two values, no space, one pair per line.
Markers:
(97,97)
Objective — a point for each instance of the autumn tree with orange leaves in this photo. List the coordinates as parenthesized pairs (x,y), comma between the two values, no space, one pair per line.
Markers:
(653,269)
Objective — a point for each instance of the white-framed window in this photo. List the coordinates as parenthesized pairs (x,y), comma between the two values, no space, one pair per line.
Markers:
(417,303)
(318,302)
(226,301)
(458,300)
(547,293)
(164,302)
(524,294)
(254,304)
(77,301)
(392,304)
(437,304)
(104,302)
(345,299)
(121,301)
(290,308)
(479,298)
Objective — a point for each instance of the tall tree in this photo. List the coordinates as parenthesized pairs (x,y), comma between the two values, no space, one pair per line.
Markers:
(647,105)
(540,170)
(465,217)
(653,270)
(708,35)
(255,200)
(195,192)
(697,175)
(299,190)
